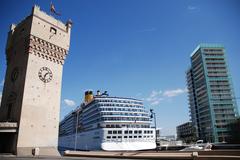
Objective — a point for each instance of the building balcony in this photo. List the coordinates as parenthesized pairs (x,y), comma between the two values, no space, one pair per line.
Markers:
(8,127)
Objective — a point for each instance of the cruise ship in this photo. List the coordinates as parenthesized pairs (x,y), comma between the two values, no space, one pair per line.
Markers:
(107,123)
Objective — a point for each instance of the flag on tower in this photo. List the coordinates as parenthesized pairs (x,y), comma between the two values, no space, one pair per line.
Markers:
(53,10)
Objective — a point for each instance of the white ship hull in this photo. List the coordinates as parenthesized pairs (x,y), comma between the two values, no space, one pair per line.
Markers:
(96,140)
(127,146)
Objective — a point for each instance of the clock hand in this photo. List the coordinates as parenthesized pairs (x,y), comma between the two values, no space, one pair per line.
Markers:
(45,75)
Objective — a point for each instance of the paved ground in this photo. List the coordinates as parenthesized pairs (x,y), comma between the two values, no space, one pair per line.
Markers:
(88,158)
(171,155)
(57,158)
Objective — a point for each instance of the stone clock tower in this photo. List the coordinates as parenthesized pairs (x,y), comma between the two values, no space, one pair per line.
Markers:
(29,113)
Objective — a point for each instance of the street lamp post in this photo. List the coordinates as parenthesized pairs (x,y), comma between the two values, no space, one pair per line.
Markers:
(153,115)
(76,131)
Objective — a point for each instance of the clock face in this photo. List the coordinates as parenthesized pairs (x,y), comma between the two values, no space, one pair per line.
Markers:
(45,74)
(14,74)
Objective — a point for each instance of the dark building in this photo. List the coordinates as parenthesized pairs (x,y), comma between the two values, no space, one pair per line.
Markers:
(186,132)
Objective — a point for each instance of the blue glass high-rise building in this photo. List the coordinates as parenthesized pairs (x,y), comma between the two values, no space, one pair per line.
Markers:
(211,97)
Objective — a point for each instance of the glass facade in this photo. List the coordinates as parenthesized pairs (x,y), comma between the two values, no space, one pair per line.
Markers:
(211,96)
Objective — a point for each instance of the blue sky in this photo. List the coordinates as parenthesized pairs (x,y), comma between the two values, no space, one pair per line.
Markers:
(136,48)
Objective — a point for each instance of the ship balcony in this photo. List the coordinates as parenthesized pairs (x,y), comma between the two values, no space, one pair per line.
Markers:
(126,121)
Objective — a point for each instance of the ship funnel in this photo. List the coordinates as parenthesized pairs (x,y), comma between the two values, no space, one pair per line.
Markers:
(98,93)
(88,96)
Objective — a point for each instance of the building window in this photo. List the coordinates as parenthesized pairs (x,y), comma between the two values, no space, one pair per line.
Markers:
(109,132)
(53,30)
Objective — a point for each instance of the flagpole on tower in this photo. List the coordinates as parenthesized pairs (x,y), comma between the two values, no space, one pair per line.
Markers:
(53,10)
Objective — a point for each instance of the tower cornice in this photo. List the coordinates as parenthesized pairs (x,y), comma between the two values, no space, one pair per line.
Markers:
(46,50)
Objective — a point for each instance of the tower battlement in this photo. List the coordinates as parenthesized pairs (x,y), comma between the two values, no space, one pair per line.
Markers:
(42,34)
(36,11)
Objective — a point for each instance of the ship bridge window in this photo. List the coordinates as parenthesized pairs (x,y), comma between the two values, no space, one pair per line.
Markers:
(114,137)
(130,132)
(119,132)
(114,132)
(135,136)
(108,137)
(125,136)
(109,132)
(135,132)
(126,132)
(120,137)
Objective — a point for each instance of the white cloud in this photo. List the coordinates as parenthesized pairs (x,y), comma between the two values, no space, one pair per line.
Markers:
(174,93)
(191,8)
(156,102)
(155,97)
(69,102)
